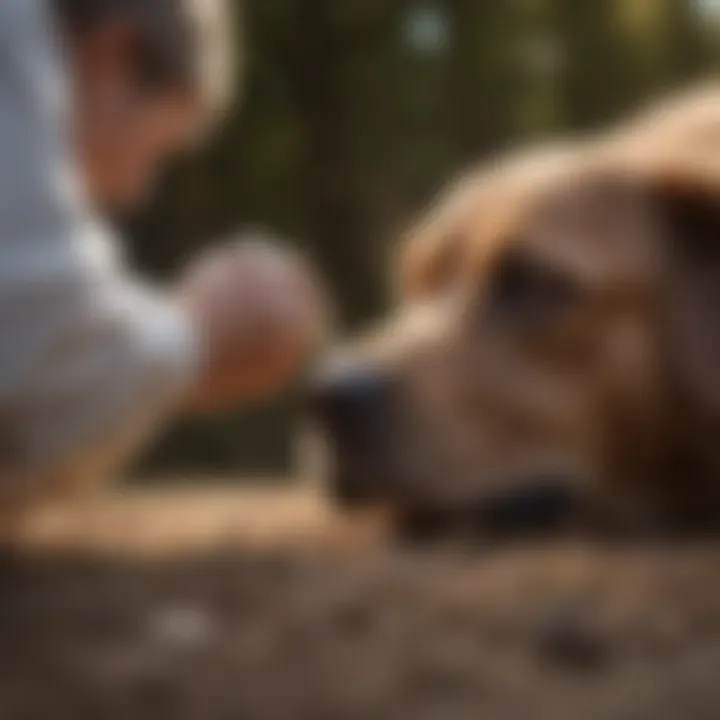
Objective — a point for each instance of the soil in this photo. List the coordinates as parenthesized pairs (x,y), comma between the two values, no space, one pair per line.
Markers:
(265,606)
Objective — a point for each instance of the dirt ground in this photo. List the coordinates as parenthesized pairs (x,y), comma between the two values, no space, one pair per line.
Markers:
(264,606)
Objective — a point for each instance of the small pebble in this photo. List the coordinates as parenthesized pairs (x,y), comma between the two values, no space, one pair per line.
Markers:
(568,640)
(183,628)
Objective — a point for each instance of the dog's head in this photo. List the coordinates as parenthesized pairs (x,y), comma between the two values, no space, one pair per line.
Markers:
(557,339)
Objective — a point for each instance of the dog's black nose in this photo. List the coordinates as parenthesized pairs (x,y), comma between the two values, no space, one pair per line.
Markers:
(348,397)
(351,405)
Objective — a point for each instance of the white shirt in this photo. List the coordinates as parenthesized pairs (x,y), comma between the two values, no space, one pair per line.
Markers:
(91,360)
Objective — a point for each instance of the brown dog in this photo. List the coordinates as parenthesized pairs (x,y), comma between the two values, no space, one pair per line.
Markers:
(556,350)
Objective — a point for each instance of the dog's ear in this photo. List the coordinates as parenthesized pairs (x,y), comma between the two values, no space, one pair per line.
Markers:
(689,212)
(429,262)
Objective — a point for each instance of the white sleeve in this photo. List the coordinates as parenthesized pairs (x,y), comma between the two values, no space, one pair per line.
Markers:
(91,360)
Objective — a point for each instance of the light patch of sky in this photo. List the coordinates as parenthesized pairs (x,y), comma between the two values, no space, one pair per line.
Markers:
(427,28)
(708,6)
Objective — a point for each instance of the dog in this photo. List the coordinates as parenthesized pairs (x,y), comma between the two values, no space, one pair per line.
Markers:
(554,357)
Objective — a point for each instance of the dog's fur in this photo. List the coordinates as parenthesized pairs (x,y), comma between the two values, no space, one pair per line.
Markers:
(559,325)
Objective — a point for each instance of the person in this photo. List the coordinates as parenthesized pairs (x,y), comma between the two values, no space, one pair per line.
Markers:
(95,97)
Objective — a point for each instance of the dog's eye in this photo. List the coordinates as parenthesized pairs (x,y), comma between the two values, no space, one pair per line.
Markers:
(523,289)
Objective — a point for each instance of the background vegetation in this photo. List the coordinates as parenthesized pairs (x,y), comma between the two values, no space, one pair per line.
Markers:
(354,112)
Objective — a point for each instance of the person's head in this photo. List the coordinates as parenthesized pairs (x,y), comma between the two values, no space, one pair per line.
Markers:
(148,76)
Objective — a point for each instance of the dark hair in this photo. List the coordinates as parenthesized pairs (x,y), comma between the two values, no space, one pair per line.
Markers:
(180,42)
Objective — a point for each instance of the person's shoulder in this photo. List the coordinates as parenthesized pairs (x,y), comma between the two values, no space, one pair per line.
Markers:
(27,29)
(18,15)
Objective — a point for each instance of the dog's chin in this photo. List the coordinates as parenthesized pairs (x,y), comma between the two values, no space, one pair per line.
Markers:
(360,486)
(541,506)
(347,492)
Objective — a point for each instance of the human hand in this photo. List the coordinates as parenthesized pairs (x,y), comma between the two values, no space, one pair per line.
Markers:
(260,314)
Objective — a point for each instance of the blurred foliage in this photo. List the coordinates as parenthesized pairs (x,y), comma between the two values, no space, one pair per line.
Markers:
(353,113)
